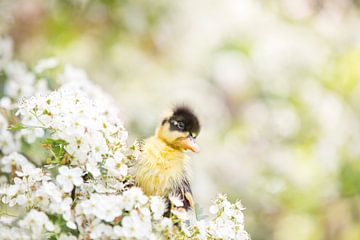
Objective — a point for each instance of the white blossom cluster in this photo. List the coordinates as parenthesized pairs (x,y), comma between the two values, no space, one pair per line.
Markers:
(91,137)
(79,187)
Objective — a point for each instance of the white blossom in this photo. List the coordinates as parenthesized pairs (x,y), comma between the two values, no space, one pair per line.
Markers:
(37,222)
(136,226)
(176,201)
(116,167)
(69,177)
(14,161)
(157,206)
(133,197)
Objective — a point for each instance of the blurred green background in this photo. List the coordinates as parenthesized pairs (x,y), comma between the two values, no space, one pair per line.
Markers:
(275,83)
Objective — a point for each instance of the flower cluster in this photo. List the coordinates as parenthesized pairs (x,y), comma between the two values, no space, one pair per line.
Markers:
(89,136)
(64,167)
(229,219)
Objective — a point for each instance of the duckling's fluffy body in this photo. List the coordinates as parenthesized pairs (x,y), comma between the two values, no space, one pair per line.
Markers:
(161,169)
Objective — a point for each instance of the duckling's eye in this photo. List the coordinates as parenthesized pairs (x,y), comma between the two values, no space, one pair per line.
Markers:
(181,125)
(177,125)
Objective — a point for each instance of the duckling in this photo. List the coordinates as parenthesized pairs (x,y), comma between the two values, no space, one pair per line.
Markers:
(163,166)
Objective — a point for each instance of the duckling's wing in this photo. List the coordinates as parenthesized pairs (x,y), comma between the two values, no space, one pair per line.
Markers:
(183,190)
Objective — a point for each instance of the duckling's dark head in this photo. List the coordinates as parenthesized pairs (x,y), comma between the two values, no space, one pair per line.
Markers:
(180,129)
(183,119)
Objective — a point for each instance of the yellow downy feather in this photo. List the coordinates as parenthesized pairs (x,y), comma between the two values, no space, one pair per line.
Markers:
(160,168)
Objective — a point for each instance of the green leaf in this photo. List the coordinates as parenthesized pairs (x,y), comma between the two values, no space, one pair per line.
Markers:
(16,127)
(57,148)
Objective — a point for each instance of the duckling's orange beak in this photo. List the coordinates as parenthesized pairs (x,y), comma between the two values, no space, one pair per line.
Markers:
(190,144)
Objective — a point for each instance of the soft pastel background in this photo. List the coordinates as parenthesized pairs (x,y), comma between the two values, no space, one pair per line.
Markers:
(275,83)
